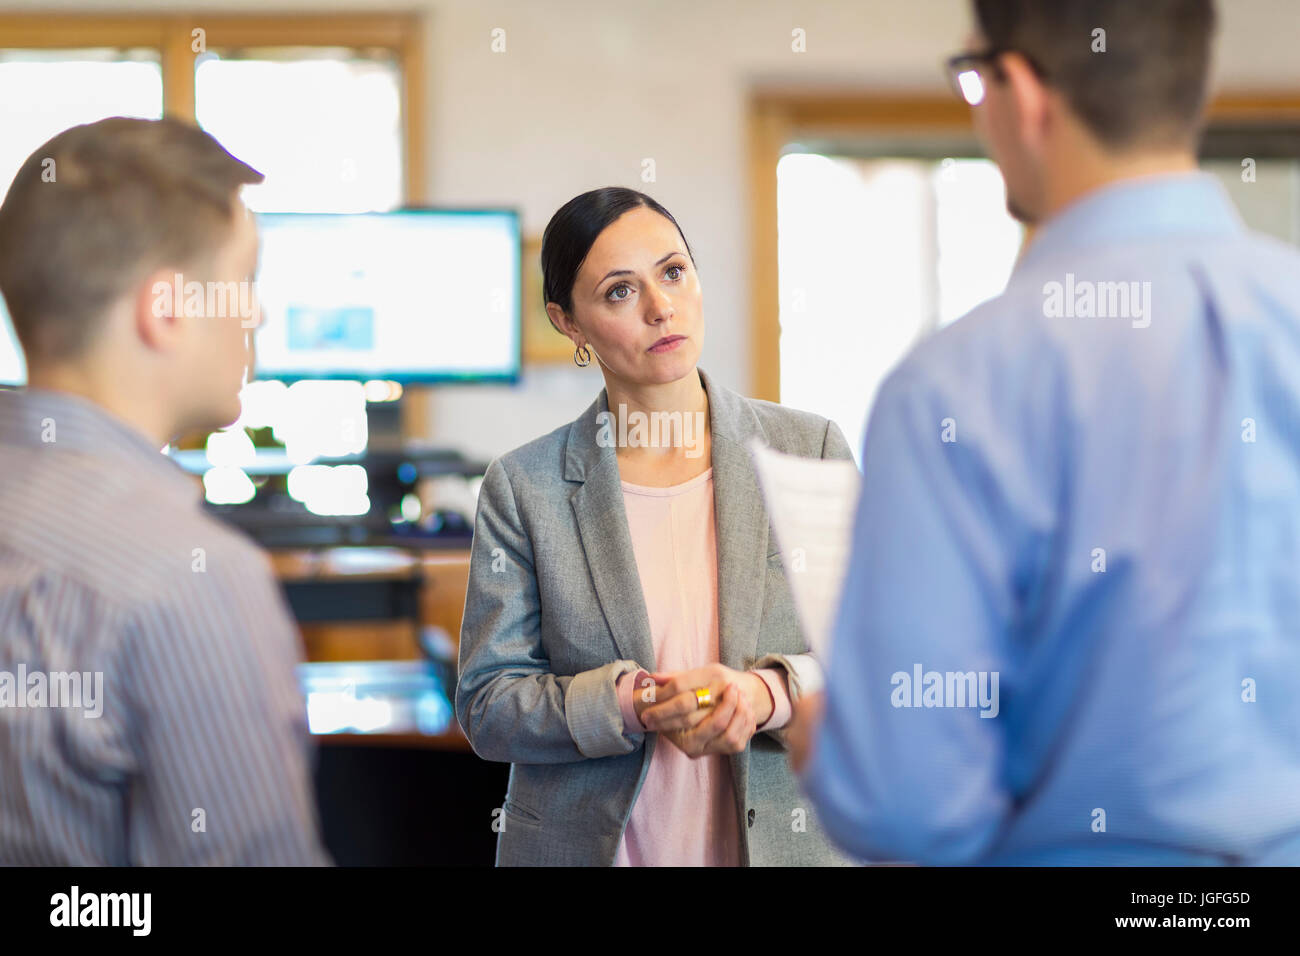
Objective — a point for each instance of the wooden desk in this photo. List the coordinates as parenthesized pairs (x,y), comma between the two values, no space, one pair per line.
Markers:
(401,796)
(436,579)
(381,704)
(358,604)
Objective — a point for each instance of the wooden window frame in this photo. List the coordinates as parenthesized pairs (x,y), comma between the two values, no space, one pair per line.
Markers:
(777,118)
(171,35)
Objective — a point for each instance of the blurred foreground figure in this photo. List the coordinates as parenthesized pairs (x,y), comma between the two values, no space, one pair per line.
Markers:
(1069,630)
(149,712)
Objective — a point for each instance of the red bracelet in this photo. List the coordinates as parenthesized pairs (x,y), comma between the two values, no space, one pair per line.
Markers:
(770,695)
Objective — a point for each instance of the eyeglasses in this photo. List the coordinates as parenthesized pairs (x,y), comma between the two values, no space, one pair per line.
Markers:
(964,75)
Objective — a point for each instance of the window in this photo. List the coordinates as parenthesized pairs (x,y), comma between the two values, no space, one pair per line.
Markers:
(874,254)
(43,92)
(329,108)
(863,141)
(280,88)
(323,125)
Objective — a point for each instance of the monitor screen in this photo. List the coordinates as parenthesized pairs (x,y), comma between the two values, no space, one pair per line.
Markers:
(415,296)
(13,368)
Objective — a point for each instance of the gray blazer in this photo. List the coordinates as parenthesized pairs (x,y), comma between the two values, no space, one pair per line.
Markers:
(554,614)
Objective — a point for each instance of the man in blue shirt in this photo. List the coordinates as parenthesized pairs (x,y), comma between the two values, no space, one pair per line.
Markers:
(1070,629)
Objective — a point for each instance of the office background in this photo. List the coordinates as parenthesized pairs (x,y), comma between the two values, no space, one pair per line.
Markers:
(823,173)
(677,83)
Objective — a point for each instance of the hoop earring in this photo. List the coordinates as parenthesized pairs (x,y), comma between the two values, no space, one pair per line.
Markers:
(583,351)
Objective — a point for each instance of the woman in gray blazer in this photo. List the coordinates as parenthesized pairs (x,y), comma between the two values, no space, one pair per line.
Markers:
(576,598)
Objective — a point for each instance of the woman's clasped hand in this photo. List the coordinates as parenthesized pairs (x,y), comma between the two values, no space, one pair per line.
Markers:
(671,707)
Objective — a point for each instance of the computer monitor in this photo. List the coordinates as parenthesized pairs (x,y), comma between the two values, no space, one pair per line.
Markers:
(13,368)
(415,296)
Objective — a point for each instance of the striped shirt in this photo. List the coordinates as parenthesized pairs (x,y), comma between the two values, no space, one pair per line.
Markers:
(149,712)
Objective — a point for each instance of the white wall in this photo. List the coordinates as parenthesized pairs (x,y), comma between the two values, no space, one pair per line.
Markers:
(588,88)
(586,91)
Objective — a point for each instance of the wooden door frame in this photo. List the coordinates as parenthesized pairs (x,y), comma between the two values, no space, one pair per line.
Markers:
(777,118)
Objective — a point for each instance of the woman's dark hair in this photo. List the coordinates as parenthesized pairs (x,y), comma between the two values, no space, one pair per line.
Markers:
(573,229)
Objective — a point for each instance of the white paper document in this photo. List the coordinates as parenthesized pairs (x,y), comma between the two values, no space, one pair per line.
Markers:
(812,502)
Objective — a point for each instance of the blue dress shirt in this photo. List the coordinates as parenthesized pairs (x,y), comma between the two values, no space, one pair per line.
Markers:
(1070,629)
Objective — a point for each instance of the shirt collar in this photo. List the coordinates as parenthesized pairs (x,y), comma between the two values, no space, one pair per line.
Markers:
(30,416)
(1139,208)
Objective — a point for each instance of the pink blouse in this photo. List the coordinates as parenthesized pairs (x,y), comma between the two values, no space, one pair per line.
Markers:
(686,812)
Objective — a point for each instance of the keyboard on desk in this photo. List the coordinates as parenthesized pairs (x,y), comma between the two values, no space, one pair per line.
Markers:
(285,527)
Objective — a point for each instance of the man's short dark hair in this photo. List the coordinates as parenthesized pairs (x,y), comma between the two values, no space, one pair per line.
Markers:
(1149,86)
(97,208)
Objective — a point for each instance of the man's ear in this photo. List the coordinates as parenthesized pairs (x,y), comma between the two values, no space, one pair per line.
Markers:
(1030,98)
(560,319)
(158,309)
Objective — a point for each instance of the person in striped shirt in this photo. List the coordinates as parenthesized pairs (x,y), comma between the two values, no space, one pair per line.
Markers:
(149,712)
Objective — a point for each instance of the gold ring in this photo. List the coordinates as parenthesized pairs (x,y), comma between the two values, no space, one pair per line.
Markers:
(703,698)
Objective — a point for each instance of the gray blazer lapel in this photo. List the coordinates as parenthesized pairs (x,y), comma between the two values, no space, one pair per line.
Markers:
(742,526)
(602,525)
(739,514)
